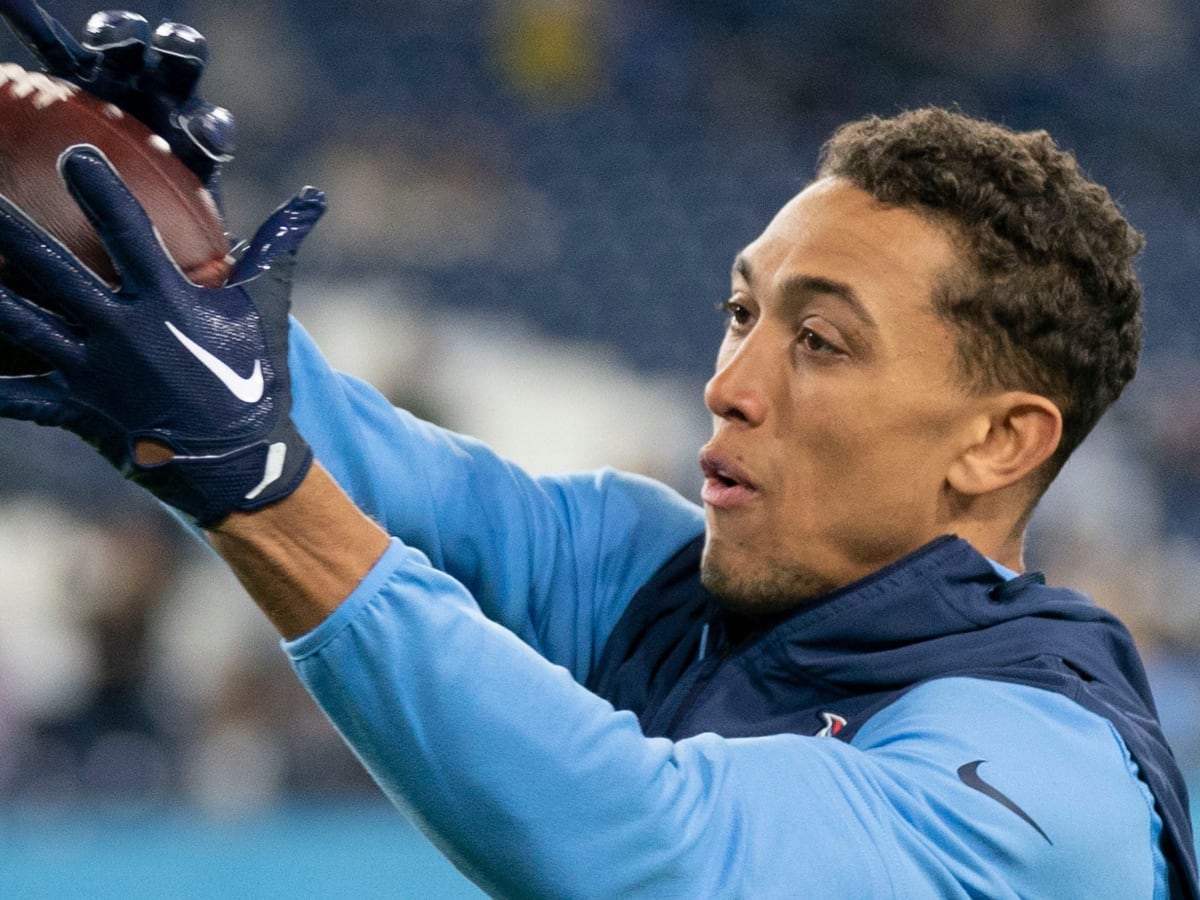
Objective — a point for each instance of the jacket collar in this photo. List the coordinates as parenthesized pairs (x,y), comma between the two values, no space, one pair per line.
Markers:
(940,610)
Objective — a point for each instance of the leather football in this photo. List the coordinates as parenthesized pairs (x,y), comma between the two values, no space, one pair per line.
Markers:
(40,117)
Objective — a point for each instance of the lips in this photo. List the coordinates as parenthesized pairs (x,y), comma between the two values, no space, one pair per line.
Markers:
(726,484)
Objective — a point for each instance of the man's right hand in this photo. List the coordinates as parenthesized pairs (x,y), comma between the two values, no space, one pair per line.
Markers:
(151,76)
(200,372)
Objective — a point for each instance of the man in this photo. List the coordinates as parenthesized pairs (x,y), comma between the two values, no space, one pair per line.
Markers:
(832,681)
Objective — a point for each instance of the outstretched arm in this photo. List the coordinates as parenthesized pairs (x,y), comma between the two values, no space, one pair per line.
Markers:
(554,559)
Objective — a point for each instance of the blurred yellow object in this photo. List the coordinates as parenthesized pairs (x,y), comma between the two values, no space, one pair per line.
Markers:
(550,49)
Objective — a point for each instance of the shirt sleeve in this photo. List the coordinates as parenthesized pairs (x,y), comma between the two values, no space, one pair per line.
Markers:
(554,559)
(535,787)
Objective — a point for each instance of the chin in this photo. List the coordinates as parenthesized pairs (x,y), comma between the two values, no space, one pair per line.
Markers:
(759,586)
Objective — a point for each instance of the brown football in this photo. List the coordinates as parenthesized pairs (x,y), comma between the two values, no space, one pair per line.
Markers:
(40,117)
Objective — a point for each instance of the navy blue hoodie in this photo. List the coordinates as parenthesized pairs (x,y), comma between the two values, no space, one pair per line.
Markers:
(684,666)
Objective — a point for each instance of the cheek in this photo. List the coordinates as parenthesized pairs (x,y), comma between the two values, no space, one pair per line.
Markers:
(882,454)
(862,497)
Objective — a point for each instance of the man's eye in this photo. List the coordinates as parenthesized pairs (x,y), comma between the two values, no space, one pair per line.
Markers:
(736,315)
(814,343)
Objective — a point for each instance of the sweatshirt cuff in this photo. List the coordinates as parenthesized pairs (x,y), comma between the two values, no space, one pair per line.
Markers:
(395,556)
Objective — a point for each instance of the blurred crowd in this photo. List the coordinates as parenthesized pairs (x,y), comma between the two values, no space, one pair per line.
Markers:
(533,208)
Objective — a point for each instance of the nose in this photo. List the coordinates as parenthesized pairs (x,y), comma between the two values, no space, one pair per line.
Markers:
(737,390)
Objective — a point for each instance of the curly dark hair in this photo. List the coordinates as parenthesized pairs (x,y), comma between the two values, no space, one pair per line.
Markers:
(1048,300)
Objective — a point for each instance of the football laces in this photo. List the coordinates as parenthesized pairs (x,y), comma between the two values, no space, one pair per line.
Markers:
(41,88)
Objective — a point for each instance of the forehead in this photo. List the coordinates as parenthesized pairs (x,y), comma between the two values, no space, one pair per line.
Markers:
(889,256)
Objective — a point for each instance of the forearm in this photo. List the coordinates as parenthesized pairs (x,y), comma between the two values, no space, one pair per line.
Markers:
(300,557)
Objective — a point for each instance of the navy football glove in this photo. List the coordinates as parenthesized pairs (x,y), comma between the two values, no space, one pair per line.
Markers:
(153,77)
(202,371)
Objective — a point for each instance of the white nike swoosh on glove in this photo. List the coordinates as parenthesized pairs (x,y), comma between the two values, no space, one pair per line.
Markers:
(248,389)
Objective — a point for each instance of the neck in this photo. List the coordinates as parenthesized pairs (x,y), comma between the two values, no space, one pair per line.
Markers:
(993,523)
(998,541)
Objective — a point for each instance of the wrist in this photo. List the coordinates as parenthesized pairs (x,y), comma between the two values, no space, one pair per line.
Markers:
(209,486)
(301,556)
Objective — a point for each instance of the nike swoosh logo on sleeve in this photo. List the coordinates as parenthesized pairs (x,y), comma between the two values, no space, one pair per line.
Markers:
(248,389)
(969,773)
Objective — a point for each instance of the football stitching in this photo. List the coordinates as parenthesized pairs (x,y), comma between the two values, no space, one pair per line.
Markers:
(43,89)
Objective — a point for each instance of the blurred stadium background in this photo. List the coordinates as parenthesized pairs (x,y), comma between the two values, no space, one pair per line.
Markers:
(534,205)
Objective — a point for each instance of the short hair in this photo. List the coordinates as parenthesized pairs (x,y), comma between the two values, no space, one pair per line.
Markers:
(1048,300)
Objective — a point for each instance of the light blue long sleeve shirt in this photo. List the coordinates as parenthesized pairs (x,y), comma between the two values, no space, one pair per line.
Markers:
(454,670)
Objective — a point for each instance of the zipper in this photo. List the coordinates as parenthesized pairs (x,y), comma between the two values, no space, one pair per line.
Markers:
(701,672)
(705,668)
(703,642)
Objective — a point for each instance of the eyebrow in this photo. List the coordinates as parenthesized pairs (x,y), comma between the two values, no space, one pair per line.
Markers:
(800,286)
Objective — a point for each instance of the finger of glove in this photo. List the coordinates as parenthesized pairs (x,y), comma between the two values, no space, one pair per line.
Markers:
(37,330)
(278,239)
(48,40)
(180,55)
(121,38)
(211,129)
(30,248)
(126,231)
(33,398)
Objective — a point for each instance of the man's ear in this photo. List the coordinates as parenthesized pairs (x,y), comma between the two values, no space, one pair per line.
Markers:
(1016,434)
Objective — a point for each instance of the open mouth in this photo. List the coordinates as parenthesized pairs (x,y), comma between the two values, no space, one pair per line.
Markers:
(725,484)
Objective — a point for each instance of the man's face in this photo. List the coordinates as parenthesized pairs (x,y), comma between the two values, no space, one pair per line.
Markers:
(837,402)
